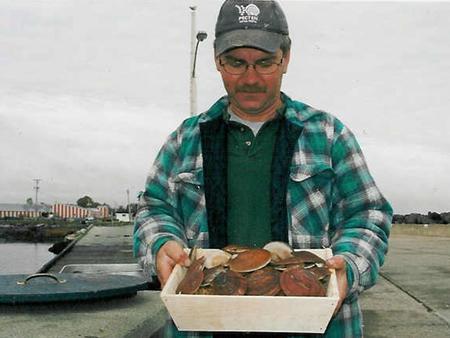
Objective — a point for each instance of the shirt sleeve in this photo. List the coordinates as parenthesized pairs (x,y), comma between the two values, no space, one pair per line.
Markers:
(361,217)
(157,220)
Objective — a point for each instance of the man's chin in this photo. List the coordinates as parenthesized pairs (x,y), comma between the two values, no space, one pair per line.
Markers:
(251,104)
(251,109)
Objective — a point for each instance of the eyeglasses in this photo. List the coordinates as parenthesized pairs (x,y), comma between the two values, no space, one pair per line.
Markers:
(237,67)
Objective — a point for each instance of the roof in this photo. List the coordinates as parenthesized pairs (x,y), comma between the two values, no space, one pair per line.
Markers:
(24,207)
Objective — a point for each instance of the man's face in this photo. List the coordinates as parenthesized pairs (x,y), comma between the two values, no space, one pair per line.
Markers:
(253,93)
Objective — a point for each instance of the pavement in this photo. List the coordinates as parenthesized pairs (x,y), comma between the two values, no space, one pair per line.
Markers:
(411,298)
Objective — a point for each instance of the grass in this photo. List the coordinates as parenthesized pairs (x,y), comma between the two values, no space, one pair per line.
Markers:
(431,230)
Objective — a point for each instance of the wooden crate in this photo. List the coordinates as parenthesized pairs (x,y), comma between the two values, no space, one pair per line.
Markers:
(250,313)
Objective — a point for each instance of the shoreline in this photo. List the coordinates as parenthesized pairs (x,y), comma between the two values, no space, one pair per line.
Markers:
(43,230)
(53,231)
(40,233)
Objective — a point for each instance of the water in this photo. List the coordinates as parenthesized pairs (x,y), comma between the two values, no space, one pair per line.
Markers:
(21,257)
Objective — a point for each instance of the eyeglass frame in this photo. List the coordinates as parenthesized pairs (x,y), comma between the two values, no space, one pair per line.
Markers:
(247,65)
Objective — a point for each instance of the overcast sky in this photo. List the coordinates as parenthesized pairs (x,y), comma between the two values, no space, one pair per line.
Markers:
(89,90)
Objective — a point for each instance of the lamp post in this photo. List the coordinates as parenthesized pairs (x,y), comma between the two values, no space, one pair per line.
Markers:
(196,38)
(36,188)
(129,206)
(201,35)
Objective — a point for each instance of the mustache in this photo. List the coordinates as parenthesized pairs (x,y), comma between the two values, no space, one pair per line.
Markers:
(250,89)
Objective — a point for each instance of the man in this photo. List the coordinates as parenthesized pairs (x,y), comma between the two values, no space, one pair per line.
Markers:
(259,166)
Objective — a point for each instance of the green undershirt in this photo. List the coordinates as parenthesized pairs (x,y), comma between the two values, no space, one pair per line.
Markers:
(249,178)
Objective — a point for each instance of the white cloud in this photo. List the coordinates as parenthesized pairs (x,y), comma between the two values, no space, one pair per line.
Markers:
(78,146)
(413,177)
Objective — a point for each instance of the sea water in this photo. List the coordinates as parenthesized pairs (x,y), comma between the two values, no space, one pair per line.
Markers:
(23,257)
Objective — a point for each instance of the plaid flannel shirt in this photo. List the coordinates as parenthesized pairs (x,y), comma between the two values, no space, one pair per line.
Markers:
(332,201)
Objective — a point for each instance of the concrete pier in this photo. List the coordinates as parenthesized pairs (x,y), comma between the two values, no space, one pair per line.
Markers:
(412,296)
(411,299)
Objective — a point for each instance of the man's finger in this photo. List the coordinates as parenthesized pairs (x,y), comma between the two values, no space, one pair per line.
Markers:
(336,262)
(170,254)
(165,268)
(175,252)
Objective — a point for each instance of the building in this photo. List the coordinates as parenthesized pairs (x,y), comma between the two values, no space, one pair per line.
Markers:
(74,211)
(15,210)
(123,217)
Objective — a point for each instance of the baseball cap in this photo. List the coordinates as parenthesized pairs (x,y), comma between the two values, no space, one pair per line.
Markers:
(250,23)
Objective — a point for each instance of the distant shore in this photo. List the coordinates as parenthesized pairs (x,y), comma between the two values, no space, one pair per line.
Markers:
(54,230)
(43,230)
(33,233)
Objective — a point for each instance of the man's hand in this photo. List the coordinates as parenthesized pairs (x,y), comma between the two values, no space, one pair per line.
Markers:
(338,263)
(170,254)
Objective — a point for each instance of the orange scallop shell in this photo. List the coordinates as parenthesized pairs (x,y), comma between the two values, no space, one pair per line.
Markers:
(298,282)
(229,283)
(263,282)
(250,260)
(193,278)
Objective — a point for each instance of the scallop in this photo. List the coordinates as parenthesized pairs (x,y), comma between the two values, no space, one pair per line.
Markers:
(236,248)
(263,282)
(309,257)
(193,278)
(278,250)
(229,283)
(298,282)
(250,260)
(216,258)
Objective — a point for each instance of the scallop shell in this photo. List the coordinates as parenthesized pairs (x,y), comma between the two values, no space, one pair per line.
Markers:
(299,282)
(229,283)
(278,250)
(193,278)
(217,258)
(236,248)
(308,257)
(263,282)
(250,260)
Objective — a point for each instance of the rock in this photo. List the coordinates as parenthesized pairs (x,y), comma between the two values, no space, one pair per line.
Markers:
(58,247)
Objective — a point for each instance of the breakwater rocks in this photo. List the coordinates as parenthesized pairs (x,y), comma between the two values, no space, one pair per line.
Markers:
(36,232)
(416,218)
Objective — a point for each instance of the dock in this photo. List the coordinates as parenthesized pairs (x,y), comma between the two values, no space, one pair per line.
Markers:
(411,298)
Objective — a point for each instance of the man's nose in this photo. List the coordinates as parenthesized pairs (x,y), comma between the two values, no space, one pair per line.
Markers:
(251,76)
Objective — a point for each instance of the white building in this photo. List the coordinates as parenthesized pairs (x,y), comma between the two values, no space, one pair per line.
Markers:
(123,217)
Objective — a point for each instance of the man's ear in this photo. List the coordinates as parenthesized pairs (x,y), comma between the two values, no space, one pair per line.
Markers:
(216,59)
(286,58)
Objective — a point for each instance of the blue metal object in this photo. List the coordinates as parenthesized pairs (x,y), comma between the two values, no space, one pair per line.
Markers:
(44,287)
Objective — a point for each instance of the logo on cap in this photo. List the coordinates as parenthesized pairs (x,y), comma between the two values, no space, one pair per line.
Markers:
(248,14)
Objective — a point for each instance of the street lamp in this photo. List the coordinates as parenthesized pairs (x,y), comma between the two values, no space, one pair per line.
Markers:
(129,206)
(201,35)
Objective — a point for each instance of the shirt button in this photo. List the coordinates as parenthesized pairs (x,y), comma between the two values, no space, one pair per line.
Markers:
(242,129)
(249,143)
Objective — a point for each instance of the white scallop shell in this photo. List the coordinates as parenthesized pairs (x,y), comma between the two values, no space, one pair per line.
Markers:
(278,250)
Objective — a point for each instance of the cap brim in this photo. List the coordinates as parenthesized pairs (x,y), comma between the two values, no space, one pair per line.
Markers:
(254,38)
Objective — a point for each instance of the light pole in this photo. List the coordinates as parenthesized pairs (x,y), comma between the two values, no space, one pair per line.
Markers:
(196,38)
(201,35)
(36,187)
(129,207)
